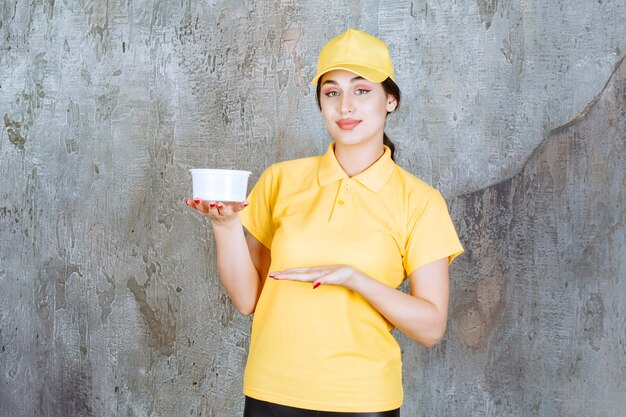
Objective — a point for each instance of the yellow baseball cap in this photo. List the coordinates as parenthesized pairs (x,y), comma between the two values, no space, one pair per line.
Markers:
(358,52)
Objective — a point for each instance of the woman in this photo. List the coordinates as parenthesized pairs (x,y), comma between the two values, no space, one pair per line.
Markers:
(336,235)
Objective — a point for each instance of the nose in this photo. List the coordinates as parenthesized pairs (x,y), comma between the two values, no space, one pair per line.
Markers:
(346,104)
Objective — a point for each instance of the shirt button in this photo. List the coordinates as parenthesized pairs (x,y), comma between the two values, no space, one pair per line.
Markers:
(348,184)
(340,202)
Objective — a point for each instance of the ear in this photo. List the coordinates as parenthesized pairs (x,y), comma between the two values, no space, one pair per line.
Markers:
(392,103)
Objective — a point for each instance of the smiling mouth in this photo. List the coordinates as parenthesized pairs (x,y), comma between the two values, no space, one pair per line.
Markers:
(348,124)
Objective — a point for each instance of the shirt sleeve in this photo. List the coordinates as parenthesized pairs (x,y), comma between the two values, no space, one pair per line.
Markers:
(257,217)
(431,234)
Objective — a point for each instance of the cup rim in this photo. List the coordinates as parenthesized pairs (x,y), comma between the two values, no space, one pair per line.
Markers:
(206,171)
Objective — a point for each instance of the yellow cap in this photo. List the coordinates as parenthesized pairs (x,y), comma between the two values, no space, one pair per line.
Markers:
(357,52)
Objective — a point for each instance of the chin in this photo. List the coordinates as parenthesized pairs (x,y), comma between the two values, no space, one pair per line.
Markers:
(350,141)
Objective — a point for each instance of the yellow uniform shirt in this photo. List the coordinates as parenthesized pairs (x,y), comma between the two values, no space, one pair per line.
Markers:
(328,349)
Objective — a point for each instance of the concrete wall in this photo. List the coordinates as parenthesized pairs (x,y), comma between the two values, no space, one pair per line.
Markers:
(109,301)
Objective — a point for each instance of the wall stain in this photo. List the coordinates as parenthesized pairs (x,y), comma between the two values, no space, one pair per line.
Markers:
(166,218)
(163,335)
(101,32)
(14,131)
(28,101)
(75,128)
(13,220)
(42,296)
(593,321)
(106,103)
(151,267)
(59,271)
(487,8)
(106,297)
(482,307)
(86,75)
(470,323)
(226,309)
(291,38)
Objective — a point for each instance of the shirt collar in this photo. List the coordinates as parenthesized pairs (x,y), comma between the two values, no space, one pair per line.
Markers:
(374,177)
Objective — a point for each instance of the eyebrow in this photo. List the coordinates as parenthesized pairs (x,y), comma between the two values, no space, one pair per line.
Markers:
(335,83)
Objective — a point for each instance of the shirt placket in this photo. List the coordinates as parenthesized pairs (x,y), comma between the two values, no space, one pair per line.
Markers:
(342,203)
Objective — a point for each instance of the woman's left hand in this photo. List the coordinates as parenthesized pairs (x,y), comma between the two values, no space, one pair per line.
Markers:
(318,275)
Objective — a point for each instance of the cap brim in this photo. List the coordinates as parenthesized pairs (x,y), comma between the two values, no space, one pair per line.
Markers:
(368,73)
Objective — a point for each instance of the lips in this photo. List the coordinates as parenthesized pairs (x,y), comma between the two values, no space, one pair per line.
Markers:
(348,124)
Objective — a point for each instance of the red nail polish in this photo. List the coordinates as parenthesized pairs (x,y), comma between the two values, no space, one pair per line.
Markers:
(245,203)
(211,205)
(219,206)
(317,284)
(196,201)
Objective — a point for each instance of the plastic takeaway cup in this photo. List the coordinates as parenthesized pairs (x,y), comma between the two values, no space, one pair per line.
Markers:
(220,184)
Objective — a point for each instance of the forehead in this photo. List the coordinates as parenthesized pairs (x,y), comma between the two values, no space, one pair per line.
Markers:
(342,76)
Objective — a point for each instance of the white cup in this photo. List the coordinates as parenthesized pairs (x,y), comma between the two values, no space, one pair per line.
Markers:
(220,184)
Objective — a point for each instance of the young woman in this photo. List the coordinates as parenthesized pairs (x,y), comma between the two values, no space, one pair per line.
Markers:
(330,239)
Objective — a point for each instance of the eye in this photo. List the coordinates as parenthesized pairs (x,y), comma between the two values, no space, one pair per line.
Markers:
(331,93)
(360,91)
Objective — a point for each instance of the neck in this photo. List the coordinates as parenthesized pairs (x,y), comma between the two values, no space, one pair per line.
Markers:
(355,159)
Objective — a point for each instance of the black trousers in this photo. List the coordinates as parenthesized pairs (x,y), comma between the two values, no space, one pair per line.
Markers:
(258,408)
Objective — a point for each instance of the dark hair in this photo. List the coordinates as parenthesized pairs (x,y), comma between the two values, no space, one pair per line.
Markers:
(390,88)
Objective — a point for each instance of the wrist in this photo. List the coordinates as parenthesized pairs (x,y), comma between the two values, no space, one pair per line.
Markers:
(226,225)
(355,280)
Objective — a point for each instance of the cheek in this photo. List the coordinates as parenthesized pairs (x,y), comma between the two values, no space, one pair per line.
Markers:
(327,112)
(377,109)
(328,120)
(375,102)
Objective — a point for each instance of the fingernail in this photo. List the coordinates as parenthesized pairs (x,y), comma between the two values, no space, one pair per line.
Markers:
(317,284)
(219,206)
(245,203)
(211,205)
(196,201)
(186,202)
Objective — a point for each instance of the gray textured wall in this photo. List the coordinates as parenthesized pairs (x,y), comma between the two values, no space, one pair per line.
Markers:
(109,301)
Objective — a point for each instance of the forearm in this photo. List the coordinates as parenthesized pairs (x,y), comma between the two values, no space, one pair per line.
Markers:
(234,264)
(422,315)
(419,319)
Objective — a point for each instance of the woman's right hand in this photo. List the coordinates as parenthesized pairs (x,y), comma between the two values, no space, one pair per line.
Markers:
(218,212)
